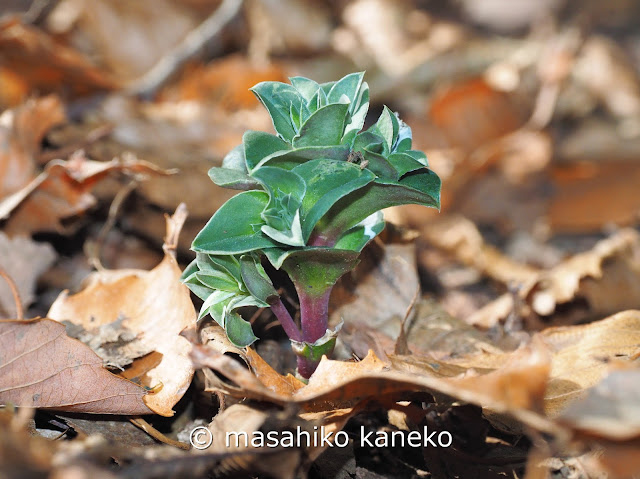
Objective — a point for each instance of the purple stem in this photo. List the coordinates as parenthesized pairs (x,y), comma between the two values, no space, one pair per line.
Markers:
(314,314)
(286,321)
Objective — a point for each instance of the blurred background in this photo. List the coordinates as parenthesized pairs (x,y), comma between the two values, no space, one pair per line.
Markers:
(528,110)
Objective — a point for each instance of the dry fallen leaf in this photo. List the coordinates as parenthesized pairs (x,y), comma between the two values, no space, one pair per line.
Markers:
(24,260)
(21,132)
(46,65)
(41,367)
(154,304)
(606,278)
(581,355)
(62,191)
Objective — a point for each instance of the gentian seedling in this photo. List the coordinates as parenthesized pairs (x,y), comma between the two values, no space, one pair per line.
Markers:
(312,199)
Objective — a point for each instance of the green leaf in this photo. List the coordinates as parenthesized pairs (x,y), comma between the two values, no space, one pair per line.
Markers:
(306,87)
(224,234)
(256,280)
(379,165)
(239,331)
(403,142)
(348,86)
(358,112)
(325,127)
(357,237)
(419,156)
(258,145)
(277,98)
(387,127)
(217,281)
(327,181)
(286,190)
(214,305)
(232,179)
(290,159)
(421,187)
(322,347)
(234,160)
(191,281)
(404,163)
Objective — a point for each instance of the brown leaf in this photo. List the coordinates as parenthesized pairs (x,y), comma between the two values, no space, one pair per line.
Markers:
(24,260)
(607,278)
(42,367)
(460,237)
(21,132)
(155,305)
(357,299)
(610,409)
(46,65)
(581,355)
(62,191)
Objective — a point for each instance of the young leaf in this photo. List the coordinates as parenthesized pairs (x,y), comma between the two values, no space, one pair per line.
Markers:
(224,234)
(357,237)
(306,87)
(277,98)
(327,181)
(239,331)
(348,86)
(387,127)
(258,145)
(288,160)
(324,127)
(421,187)
(256,279)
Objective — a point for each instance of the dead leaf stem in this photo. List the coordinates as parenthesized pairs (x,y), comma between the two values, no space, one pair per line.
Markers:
(95,247)
(14,291)
(157,435)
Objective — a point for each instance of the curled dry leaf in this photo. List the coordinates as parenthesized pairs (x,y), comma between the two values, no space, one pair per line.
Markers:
(460,237)
(155,305)
(581,355)
(45,65)
(607,278)
(610,409)
(62,190)
(388,268)
(41,367)
(24,260)
(21,132)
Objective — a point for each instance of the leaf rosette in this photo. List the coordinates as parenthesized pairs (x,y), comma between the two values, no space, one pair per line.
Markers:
(311,198)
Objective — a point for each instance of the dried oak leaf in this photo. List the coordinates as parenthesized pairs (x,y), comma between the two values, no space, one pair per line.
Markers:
(607,278)
(62,190)
(46,65)
(581,355)
(41,367)
(21,132)
(154,304)
(24,260)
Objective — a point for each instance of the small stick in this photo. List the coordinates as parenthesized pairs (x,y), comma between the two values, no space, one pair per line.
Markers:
(94,248)
(15,292)
(157,435)
(194,41)
(402,346)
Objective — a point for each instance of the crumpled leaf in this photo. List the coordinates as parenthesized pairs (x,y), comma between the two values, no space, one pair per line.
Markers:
(24,260)
(582,353)
(40,366)
(62,191)
(46,65)
(21,132)
(607,278)
(155,304)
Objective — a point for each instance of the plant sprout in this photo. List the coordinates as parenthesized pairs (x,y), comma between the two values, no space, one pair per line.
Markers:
(312,199)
